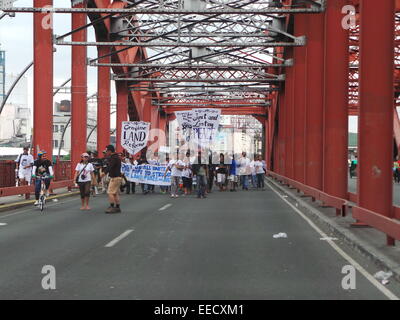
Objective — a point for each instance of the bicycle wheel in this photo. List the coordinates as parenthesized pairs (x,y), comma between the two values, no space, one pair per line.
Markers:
(41,203)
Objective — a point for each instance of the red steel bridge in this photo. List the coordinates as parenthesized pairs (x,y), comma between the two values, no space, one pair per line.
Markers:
(301,67)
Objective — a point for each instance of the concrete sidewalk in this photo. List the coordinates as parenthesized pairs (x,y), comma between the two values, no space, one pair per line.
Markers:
(14,202)
(368,241)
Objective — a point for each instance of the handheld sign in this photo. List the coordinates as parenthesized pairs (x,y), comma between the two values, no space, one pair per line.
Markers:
(134,135)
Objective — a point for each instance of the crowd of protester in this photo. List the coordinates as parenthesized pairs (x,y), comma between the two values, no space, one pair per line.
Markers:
(190,175)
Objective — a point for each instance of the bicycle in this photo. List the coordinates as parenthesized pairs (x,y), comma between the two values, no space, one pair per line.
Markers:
(42,197)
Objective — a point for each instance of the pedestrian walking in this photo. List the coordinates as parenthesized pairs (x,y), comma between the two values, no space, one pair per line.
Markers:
(113,170)
(175,166)
(24,165)
(258,164)
(244,171)
(233,178)
(84,177)
(222,172)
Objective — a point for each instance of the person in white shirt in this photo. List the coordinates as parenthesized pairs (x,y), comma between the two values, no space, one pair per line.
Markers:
(244,171)
(259,168)
(154,160)
(24,167)
(84,175)
(253,172)
(175,166)
(187,175)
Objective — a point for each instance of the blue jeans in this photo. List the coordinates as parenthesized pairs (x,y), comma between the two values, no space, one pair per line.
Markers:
(38,186)
(244,181)
(201,186)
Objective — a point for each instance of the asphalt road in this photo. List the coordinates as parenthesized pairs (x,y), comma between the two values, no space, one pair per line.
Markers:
(221,247)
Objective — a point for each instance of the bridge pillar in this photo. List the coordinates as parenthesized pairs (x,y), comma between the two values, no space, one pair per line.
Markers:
(299,102)
(122,110)
(103,100)
(375,182)
(335,172)
(289,116)
(43,79)
(280,165)
(314,100)
(78,88)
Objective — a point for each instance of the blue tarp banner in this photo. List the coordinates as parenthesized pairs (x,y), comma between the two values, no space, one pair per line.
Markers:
(146,173)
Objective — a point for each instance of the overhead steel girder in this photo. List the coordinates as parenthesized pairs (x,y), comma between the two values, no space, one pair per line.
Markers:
(300,41)
(211,104)
(287,63)
(244,81)
(143,10)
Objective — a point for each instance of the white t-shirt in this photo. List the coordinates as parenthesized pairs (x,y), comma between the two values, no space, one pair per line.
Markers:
(244,164)
(253,167)
(86,172)
(25,160)
(174,171)
(258,167)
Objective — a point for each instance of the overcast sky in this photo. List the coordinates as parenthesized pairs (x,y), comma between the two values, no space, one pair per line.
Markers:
(16,38)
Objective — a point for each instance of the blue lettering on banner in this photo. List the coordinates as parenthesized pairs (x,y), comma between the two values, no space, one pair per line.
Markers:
(148,174)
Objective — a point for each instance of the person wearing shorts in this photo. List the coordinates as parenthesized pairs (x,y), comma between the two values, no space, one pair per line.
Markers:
(114,172)
(175,166)
(222,172)
(24,167)
(187,178)
(84,176)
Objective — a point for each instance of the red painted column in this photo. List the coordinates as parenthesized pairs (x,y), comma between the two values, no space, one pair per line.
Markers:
(267,143)
(78,88)
(300,55)
(335,166)
(314,100)
(103,101)
(375,182)
(43,80)
(282,134)
(122,110)
(289,116)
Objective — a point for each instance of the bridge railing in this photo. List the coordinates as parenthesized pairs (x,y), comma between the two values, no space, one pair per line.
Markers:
(62,179)
(389,226)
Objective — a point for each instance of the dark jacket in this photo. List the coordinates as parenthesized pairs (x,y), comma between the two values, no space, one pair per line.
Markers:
(114,166)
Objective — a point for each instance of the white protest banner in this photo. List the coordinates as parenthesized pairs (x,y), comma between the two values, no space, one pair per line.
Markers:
(185,121)
(134,135)
(205,125)
(146,173)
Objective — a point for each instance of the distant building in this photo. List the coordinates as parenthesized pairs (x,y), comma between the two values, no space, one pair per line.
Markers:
(15,128)
(2,75)
(61,123)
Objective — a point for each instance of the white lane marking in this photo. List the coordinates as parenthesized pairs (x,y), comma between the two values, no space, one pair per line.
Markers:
(118,239)
(165,207)
(356,265)
(33,208)
(3,224)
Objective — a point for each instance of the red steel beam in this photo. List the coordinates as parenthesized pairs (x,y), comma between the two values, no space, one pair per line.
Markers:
(103,101)
(314,100)
(122,110)
(300,54)
(43,79)
(375,183)
(336,102)
(289,116)
(78,88)
(281,136)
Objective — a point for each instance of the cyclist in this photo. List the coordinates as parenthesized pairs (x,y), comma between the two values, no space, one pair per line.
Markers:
(42,167)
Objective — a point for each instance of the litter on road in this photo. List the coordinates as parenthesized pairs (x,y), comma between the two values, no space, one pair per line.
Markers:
(280,235)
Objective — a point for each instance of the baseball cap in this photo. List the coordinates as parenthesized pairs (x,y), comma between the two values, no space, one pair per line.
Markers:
(40,153)
(84,155)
